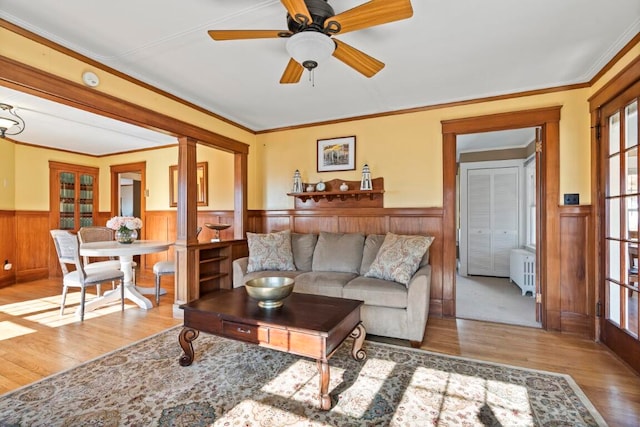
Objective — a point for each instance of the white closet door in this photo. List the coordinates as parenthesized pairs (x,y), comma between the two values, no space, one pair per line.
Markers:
(492,231)
(505,218)
(479,260)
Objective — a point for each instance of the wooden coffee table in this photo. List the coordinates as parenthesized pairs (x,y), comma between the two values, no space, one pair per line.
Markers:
(307,325)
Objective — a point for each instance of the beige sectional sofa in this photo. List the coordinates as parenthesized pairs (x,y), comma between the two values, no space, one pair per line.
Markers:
(352,265)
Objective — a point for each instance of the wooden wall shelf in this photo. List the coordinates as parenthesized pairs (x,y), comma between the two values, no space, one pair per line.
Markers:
(354,197)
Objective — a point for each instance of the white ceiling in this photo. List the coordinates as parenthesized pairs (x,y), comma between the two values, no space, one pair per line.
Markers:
(448,51)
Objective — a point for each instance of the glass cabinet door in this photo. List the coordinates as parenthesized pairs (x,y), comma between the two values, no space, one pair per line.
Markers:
(74,195)
(67,200)
(86,200)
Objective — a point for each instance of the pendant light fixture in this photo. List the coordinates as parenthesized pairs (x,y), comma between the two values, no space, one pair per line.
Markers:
(10,122)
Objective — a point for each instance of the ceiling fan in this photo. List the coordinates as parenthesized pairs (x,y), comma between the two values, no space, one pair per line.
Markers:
(312,23)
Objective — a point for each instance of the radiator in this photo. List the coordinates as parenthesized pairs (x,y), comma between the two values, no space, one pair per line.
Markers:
(522,270)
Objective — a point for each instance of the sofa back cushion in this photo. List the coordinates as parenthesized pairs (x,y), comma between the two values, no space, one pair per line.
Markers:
(399,257)
(371,247)
(340,252)
(303,246)
(270,251)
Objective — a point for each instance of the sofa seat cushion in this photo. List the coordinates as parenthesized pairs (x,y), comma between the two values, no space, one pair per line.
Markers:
(270,273)
(377,292)
(328,283)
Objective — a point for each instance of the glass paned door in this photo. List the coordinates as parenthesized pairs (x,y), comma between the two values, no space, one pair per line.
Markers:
(67,200)
(621,212)
(86,200)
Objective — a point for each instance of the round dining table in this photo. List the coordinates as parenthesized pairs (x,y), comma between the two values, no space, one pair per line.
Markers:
(125,253)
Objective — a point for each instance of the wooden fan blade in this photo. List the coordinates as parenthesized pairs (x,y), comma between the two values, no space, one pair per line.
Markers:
(247,34)
(292,73)
(298,10)
(359,61)
(372,13)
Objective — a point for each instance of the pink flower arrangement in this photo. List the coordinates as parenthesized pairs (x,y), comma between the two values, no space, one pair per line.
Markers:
(124,223)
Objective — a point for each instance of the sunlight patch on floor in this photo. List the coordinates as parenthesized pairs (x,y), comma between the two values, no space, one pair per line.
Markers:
(46,311)
(10,330)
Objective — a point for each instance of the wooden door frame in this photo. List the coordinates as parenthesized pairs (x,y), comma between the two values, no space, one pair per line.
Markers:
(548,247)
(115,171)
(614,87)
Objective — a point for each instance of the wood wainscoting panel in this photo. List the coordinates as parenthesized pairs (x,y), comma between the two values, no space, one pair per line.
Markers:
(354,224)
(315,223)
(576,296)
(102,218)
(35,254)
(8,247)
(158,225)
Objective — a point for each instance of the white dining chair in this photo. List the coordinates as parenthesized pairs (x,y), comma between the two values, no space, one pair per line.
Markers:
(162,268)
(97,233)
(68,250)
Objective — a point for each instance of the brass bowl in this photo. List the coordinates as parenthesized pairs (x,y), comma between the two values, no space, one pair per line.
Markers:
(269,291)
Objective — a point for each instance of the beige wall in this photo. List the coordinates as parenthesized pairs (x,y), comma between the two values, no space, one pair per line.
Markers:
(407,150)
(30,170)
(404,149)
(7,175)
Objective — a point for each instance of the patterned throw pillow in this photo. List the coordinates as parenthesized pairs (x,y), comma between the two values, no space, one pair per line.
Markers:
(270,251)
(399,257)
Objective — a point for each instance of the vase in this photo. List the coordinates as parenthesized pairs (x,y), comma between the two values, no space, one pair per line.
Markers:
(126,236)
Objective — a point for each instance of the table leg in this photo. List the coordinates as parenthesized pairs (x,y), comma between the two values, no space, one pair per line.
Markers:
(130,290)
(323,370)
(186,337)
(358,335)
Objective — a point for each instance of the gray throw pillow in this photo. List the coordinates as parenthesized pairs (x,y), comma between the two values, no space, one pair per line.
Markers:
(340,252)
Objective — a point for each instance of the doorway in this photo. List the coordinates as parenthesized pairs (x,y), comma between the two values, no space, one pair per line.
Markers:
(128,186)
(496,218)
(548,194)
(130,194)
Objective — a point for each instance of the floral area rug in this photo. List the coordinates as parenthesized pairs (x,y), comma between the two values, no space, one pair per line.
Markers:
(235,384)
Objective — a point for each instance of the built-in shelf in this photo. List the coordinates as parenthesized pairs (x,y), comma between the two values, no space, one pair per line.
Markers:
(214,264)
(353,197)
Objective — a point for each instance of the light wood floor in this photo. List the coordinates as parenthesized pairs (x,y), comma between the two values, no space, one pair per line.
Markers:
(36,342)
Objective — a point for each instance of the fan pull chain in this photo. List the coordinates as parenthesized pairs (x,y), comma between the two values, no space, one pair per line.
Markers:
(312,77)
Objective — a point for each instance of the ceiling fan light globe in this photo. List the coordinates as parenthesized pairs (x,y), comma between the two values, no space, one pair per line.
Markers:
(310,47)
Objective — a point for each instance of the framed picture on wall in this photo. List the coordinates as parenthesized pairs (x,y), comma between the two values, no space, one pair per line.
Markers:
(337,154)
(202,189)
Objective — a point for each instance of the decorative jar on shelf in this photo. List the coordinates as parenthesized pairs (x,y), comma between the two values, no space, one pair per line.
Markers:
(124,235)
(344,186)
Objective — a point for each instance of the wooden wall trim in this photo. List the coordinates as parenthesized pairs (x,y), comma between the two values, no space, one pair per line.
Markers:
(98,65)
(45,85)
(625,78)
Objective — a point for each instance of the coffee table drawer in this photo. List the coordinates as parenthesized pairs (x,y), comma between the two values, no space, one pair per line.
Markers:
(243,332)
